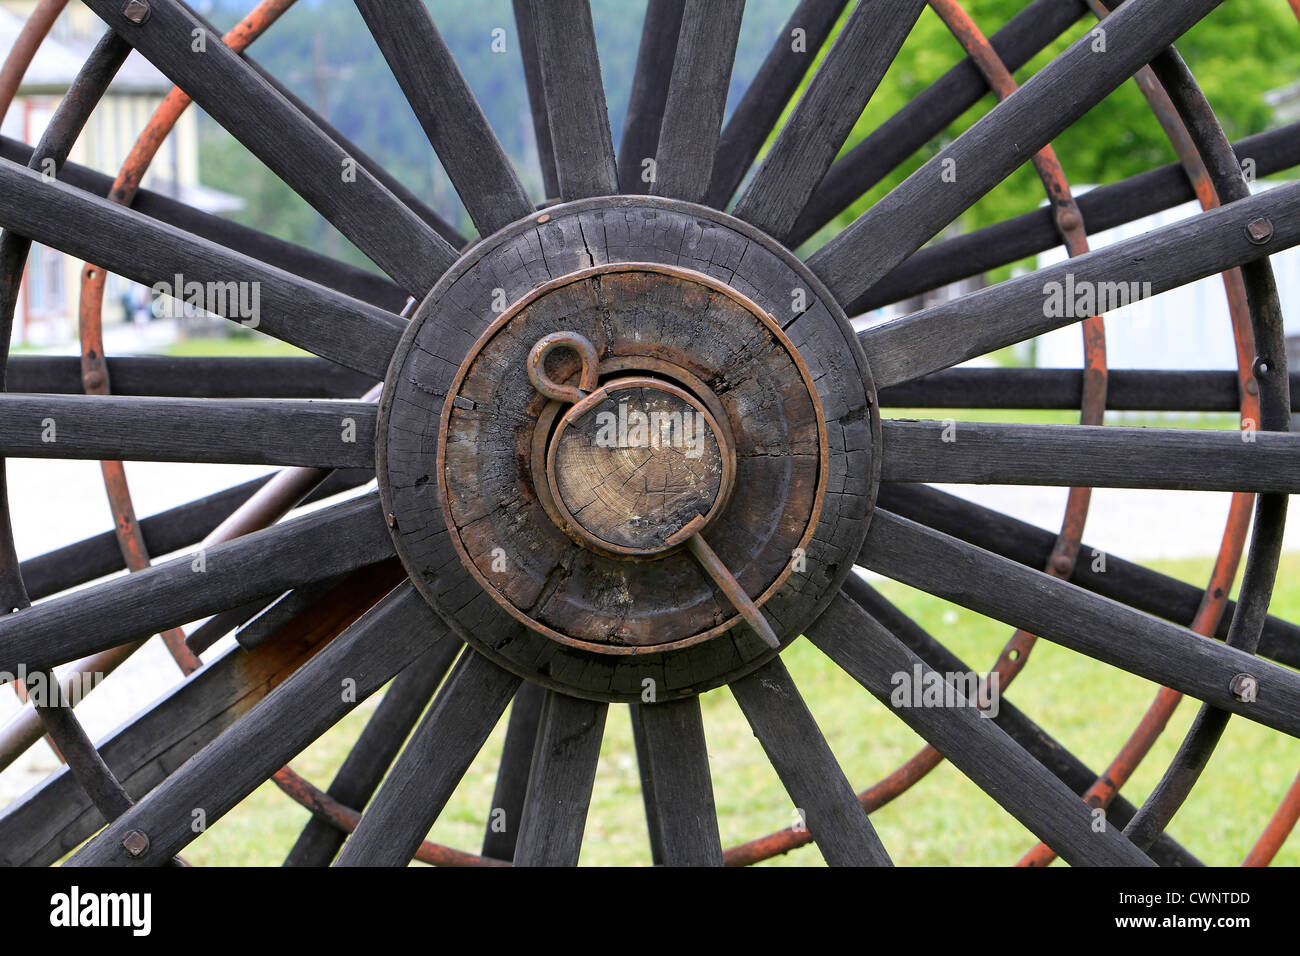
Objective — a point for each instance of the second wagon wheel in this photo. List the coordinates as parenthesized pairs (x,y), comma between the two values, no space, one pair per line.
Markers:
(628,447)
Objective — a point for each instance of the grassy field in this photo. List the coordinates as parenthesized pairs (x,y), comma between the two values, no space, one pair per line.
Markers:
(943,820)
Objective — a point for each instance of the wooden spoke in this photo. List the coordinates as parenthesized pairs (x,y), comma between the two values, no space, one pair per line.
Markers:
(193,376)
(794,743)
(815,132)
(373,753)
(697,96)
(1142,390)
(1022,124)
(575,98)
(1164,653)
(351,668)
(686,821)
(502,830)
(559,788)
(976,745)
(536,95)
(1044,748)
(925,116)
(327,542)
(1021,308)
(120,240)
(1123,581)
(323,434)
(765,100)
(451,116)
(294,148)
(645,106)
(342,277)
(646,774)
(1093,456)
(1115,204)
(171,530)
(433,762)
(55,817)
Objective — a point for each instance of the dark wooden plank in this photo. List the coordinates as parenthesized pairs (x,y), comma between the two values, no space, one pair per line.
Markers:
(204,376)
(371,287)
(646,773)
(559,787)
(1145,390)
(55,817)
(1193,459)
(928,113)
(1040,745)
(812,776)
(1072,617)
(807,144)
(981,750)
(295,149)
(1020,237)
(650,79)
(374,751)
(502,830)
(687,821)
(575,98)
(1008,136)
(316,318)
(1137,268)
(536,95)
(452,119)
(351,668)
(697,97)
(262,564)
(223,430)
(1123,581)
(164,532)
(765,99)
(436,757)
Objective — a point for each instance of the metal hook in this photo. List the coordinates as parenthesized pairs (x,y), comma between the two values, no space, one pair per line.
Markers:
(590,366)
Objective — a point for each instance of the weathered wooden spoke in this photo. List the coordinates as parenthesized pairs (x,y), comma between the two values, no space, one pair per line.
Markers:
(802,758)
(1088,623)
(697,95)
(575,99)
(436,757)
(380,742)
(559,787)
(1099,457)
(188,588)
(318,169)
(629,447)
(1123,581)
(979,748)
(448,111)
(808,142)
(502,831)
(1128,271)
(686,821)
(216,278)
(1048,103)
(323,434)
(367,655)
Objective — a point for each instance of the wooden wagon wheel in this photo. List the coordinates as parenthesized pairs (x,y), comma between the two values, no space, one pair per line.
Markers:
(628,443)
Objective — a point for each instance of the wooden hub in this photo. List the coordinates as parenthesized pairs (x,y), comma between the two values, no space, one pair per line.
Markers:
(599,405)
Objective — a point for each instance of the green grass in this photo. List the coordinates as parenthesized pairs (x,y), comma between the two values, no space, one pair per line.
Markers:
(245,344)
(943,820)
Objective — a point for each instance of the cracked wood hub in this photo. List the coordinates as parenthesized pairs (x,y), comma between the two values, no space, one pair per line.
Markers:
(628,443)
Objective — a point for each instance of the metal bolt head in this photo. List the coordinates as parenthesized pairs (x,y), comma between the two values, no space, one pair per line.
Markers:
(1259,231)
(137,11)
(1244,687)
(1062,565)
(136,844)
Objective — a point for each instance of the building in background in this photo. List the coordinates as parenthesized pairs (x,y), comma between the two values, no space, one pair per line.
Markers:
(47,307)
